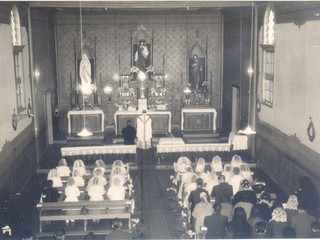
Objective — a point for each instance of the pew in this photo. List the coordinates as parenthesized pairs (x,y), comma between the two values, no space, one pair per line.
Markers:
(107,209)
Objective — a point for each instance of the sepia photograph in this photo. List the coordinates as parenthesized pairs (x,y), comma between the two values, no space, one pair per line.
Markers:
(183,119)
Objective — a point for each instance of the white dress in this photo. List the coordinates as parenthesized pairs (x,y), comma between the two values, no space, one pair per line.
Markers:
(79,181)
(63,171)
(96,193)
(235,183)
(72,193)
(116,193)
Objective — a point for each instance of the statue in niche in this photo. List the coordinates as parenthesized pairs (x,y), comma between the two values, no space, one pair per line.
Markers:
(197,58)
(85,70)
(196,70)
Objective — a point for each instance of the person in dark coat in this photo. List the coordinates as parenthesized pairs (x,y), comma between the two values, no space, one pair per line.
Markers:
(222,190)
(129,134)
(194,197)
(307,196)
(245,194)
(216,223)
(49,193)
(117,232)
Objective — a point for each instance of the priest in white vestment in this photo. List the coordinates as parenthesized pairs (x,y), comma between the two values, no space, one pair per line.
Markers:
(144,136)
(144,131)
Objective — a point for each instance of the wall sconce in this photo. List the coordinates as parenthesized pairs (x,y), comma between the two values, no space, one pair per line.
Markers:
(115,77)
(29,109)
(14,119)
(311,131)
(108,90)
(56,111)
(36,76)
(36,73)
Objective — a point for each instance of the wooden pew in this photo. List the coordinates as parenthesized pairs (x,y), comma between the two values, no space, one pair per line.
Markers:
(107,209)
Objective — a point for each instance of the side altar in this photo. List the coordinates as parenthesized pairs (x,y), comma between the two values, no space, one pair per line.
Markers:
(198,125)
(198,119)
(92,120)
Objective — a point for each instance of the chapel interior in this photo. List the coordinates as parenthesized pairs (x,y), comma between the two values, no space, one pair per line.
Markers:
(215,77)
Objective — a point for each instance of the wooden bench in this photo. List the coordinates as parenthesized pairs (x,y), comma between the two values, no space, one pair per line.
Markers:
(107,209)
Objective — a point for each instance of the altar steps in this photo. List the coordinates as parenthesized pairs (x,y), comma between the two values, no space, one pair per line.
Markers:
(201,137)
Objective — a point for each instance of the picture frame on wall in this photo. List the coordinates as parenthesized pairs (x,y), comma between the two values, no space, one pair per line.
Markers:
(141,53)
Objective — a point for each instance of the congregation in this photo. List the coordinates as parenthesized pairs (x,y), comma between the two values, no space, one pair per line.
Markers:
(227,201)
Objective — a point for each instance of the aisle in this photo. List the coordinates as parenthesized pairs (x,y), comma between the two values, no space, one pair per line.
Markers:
(153,211)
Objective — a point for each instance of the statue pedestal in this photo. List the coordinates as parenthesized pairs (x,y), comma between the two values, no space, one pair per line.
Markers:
(142,104)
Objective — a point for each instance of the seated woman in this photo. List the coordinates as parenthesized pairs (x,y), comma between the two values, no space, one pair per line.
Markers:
(227,172)
(205,174)
(79,165)
(71,191)
(96,191)
(97,174)
(119,171)
(78,178)
(235,180)
(236,161)
(116,190)
(99,164)
(119,163)
(245,172)
(216,164)
(62,168)
(201,210)
(201,163)
(188,186)
(291,207)
(245,194)
(49,193)
(56,180)
(212,181)
(184,179)
(239,226)
(278,222)
(180,166)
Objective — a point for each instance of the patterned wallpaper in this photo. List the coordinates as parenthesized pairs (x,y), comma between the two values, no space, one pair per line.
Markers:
(173,35)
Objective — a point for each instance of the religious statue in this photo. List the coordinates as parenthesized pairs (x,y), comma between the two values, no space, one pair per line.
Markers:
(141,56)
(196,71)
(85,70)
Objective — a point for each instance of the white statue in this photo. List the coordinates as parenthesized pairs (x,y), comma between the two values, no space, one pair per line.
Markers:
(85,70)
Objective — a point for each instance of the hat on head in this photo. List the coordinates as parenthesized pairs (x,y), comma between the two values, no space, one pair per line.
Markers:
(244,185)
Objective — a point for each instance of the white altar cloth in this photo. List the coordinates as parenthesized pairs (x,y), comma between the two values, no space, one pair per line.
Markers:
(209,147)
(239,141)
(169,141)
(91,150)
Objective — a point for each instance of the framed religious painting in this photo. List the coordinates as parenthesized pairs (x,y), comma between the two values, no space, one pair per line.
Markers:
(141,54)
(197,68)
